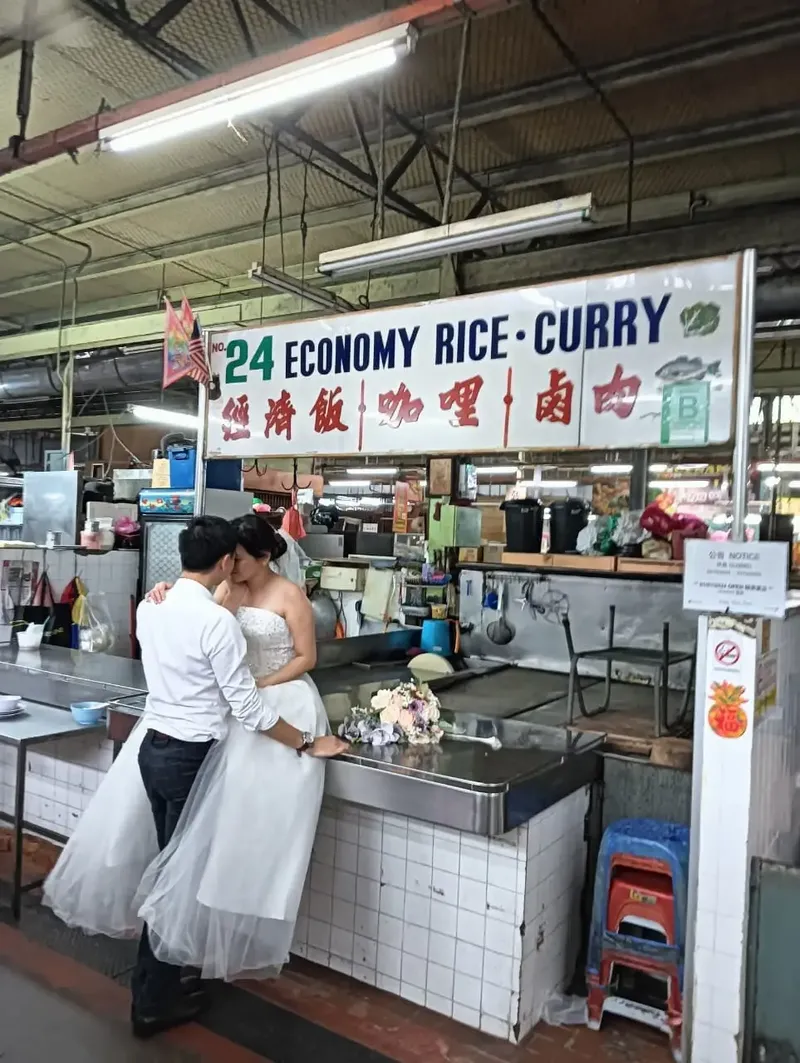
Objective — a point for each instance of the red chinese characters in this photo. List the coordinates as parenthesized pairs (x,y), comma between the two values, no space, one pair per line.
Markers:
(398,407)
(555,403)
(618,395)
(327,412)
(236,419)
(279,415)
(462,398)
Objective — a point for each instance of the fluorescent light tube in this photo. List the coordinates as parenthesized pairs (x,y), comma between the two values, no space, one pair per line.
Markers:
(794,484)
(693,466)
(548,483)
(308,293)
(284,84)
(496,470)
(491,230)
(772,481)
(160,415)
(659,466)
(666,484)
(349,483)
(788,466)
(600,469)
(373,470)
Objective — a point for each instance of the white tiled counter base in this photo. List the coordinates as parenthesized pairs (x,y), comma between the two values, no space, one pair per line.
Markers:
(481,930)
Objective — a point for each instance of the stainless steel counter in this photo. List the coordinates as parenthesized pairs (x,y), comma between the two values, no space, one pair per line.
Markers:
(461,785)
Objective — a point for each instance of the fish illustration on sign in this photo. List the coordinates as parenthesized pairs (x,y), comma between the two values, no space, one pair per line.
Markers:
(682,368)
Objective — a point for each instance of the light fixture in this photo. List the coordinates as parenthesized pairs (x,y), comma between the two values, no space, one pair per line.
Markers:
(308,293)
(490,230)
(691,466)
(794,485)
(496,470)
(548,483)
(161,415)
(659,466)
(287,83)
(788,466)
(666,484)
(772,481)
(601,470)
(373,470)
(765,466)
(349,483)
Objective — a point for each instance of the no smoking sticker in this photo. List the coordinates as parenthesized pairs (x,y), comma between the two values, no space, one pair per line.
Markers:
(727,652)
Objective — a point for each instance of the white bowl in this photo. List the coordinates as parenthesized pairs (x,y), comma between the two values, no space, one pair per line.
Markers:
(9,703)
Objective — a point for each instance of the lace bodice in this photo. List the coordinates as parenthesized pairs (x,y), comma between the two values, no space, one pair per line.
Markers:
(269,641)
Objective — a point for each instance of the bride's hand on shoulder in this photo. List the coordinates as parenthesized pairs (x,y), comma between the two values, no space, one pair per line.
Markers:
(328,746)
(158,593)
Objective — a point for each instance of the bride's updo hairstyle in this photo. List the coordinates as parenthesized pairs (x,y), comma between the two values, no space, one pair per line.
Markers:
(259,538)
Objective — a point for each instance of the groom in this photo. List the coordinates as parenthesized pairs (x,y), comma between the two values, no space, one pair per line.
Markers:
(193,655)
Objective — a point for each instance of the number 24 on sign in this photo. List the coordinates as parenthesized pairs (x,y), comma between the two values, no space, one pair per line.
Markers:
(237,354)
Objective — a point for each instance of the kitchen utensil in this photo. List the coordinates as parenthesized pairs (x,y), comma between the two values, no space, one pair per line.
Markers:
(500,631)
(436,636)
(492,743)
(9,703)
(427,666)
(13,715)
(88,713)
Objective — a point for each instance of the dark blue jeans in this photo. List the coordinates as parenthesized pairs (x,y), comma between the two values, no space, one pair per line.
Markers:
(169,768)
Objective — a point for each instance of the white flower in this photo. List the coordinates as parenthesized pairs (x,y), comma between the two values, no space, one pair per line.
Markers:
(389,715)
(381,699)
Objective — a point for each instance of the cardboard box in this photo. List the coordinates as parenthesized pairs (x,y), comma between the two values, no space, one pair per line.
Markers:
(470,554)
(493,524)
(645,566)
(531,560)
(493,553)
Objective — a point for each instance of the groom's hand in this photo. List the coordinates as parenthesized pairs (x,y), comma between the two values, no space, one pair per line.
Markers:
(158,593)
(328,746)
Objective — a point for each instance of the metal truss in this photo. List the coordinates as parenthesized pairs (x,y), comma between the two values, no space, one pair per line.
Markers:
(293,138)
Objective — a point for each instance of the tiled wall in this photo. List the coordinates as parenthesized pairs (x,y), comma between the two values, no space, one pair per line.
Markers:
(61,779)
(113,575)
(480,930)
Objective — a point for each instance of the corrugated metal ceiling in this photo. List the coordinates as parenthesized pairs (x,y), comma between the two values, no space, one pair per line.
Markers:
(87,63)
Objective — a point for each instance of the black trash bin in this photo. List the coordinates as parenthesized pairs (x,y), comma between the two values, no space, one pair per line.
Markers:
(568,517)
(524,523)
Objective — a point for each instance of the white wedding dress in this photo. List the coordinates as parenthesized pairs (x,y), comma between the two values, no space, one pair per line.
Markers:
(223,896)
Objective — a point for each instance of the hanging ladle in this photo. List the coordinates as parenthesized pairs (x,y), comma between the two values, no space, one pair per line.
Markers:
(500,631)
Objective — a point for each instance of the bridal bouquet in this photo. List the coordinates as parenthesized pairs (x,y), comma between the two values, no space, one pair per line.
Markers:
(406,713)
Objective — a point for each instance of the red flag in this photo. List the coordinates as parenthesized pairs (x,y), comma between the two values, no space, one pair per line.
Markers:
(184,351)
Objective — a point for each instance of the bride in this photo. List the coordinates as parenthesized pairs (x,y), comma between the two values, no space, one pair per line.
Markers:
(223,895)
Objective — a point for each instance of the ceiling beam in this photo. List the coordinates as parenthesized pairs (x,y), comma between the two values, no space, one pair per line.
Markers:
(658,147)
(165,15)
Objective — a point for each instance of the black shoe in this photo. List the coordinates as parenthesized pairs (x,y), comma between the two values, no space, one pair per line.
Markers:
(187,1009)
(191,983)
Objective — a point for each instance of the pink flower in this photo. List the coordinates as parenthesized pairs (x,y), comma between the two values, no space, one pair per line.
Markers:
(390,714)
(405,719)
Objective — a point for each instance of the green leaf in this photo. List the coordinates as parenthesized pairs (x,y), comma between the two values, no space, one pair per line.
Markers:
(700,319)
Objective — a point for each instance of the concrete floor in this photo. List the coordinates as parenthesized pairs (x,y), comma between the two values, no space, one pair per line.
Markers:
(39,1026)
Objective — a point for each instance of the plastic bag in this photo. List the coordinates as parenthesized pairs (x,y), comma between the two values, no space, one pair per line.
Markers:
(629,530)
(293,564)
(560,1010)
(96,631)
(655,520)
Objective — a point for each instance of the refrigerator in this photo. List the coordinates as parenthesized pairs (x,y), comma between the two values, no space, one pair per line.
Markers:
(163,514)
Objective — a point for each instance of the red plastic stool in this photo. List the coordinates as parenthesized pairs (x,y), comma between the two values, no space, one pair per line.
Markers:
(644,898)
(602,999)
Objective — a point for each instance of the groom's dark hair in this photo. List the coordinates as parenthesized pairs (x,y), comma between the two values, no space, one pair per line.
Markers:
(204,542)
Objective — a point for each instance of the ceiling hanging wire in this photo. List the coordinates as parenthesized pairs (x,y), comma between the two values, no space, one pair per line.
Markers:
(599,95)
(303,232)
(280,200)
(456,122)
(267,141)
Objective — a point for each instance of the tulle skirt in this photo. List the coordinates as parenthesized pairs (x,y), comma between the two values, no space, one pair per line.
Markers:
(223,896)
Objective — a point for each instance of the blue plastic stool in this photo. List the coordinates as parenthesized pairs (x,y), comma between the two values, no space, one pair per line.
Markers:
(649,840)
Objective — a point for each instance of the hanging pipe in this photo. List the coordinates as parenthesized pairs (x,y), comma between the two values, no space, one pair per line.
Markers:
(456,122)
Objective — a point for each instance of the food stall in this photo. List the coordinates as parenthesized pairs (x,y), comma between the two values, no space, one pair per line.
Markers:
(452,874)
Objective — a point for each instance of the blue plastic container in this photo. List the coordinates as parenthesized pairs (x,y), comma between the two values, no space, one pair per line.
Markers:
(437,637)
(224,474)
(182,463)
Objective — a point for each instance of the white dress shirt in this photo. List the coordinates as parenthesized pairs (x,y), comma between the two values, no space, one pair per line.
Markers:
(193,654)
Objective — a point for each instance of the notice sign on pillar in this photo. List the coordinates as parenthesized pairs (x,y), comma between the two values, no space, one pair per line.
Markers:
(746,579)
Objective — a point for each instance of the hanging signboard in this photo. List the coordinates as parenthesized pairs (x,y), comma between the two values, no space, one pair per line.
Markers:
(644,358)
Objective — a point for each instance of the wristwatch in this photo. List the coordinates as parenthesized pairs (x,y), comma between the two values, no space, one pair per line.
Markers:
(308,742)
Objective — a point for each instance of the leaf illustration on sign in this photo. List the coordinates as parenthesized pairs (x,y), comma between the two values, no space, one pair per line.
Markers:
(700,319)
